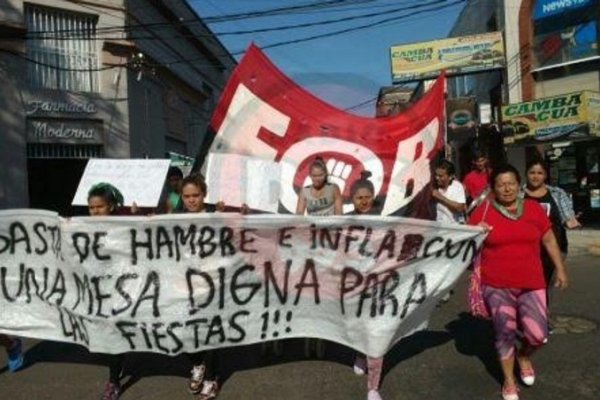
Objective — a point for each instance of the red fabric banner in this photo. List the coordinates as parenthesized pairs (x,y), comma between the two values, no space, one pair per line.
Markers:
(264,114)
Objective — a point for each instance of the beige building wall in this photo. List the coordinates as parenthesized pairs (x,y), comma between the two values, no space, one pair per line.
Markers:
(511,42)
(573,83)
(107,111)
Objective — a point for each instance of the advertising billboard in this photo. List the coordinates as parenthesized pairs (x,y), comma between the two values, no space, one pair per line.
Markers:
(459,55)
(568,116)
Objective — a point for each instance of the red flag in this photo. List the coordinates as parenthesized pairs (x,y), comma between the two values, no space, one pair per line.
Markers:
(263,114)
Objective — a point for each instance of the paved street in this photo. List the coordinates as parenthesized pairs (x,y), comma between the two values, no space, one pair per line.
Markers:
(453,360)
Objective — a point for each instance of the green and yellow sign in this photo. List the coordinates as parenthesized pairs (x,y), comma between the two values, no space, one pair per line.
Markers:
(593,112)
(561,117)
(459,55)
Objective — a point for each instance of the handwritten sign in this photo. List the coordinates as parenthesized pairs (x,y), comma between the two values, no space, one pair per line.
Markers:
(184,283)
(140,180)
(236,180)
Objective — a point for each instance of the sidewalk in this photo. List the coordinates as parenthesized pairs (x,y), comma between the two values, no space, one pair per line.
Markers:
(584,241)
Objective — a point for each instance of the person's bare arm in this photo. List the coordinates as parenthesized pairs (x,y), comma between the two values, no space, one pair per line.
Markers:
(452,205)
(301,206)
(551,246)
(337,201)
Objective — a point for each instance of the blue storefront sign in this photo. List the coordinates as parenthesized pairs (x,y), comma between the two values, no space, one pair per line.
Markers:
(548,8)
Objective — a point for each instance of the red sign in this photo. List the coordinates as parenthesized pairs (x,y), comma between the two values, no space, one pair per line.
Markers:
(262,113)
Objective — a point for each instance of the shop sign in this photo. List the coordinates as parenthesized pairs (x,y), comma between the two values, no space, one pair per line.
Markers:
(183,162)
(34,107)
(462,118)
(460,55)
(548,8)
(593,113)
(64,131)
(559,117)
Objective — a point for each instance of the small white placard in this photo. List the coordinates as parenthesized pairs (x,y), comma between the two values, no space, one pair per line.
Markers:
(139,180)
(235,180)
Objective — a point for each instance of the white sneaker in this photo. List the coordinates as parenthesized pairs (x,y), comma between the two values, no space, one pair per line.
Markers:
(360,365)
(373,395)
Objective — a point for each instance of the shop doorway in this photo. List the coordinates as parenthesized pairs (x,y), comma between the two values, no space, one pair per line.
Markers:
(53,182)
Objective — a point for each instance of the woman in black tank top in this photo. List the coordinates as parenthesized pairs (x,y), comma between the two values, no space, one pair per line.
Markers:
(536,189)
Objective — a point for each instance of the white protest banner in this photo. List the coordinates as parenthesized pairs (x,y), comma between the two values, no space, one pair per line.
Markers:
(236,180)
(183,283)
(139,180)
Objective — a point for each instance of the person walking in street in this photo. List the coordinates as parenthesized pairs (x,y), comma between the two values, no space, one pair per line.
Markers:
(476,181)
(104,200)
(512,277)
(362,193)
(204,378)
(559,209)
(323,199)
(449,194)
(449,199)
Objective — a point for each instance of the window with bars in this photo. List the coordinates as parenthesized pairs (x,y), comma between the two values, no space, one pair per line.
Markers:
(62,47)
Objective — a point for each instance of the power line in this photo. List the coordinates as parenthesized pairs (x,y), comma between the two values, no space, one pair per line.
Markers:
(287,42)
(331,21)
(58,68)
(359,105)
(214,19)
(339,32)
(356,28)
(32,35)
(317,5)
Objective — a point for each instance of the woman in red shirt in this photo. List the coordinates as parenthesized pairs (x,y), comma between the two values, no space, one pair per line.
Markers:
(511,273)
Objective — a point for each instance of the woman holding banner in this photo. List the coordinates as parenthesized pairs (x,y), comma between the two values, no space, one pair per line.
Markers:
(362,193)
(103,200)
(512,278)
(322,198)
(205,364)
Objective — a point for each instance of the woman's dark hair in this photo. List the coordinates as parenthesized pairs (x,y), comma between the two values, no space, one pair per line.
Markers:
(175,171)
(504,169)
(537,161)
(110,194)
(478,153)
(362,183)
(446,166)
(195,179)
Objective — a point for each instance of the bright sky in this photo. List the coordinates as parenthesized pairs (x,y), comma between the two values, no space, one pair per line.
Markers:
(346,69)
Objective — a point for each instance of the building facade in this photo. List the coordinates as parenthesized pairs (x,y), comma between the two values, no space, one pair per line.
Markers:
(546,100)
(478,95)
(554,78)
(110,78)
